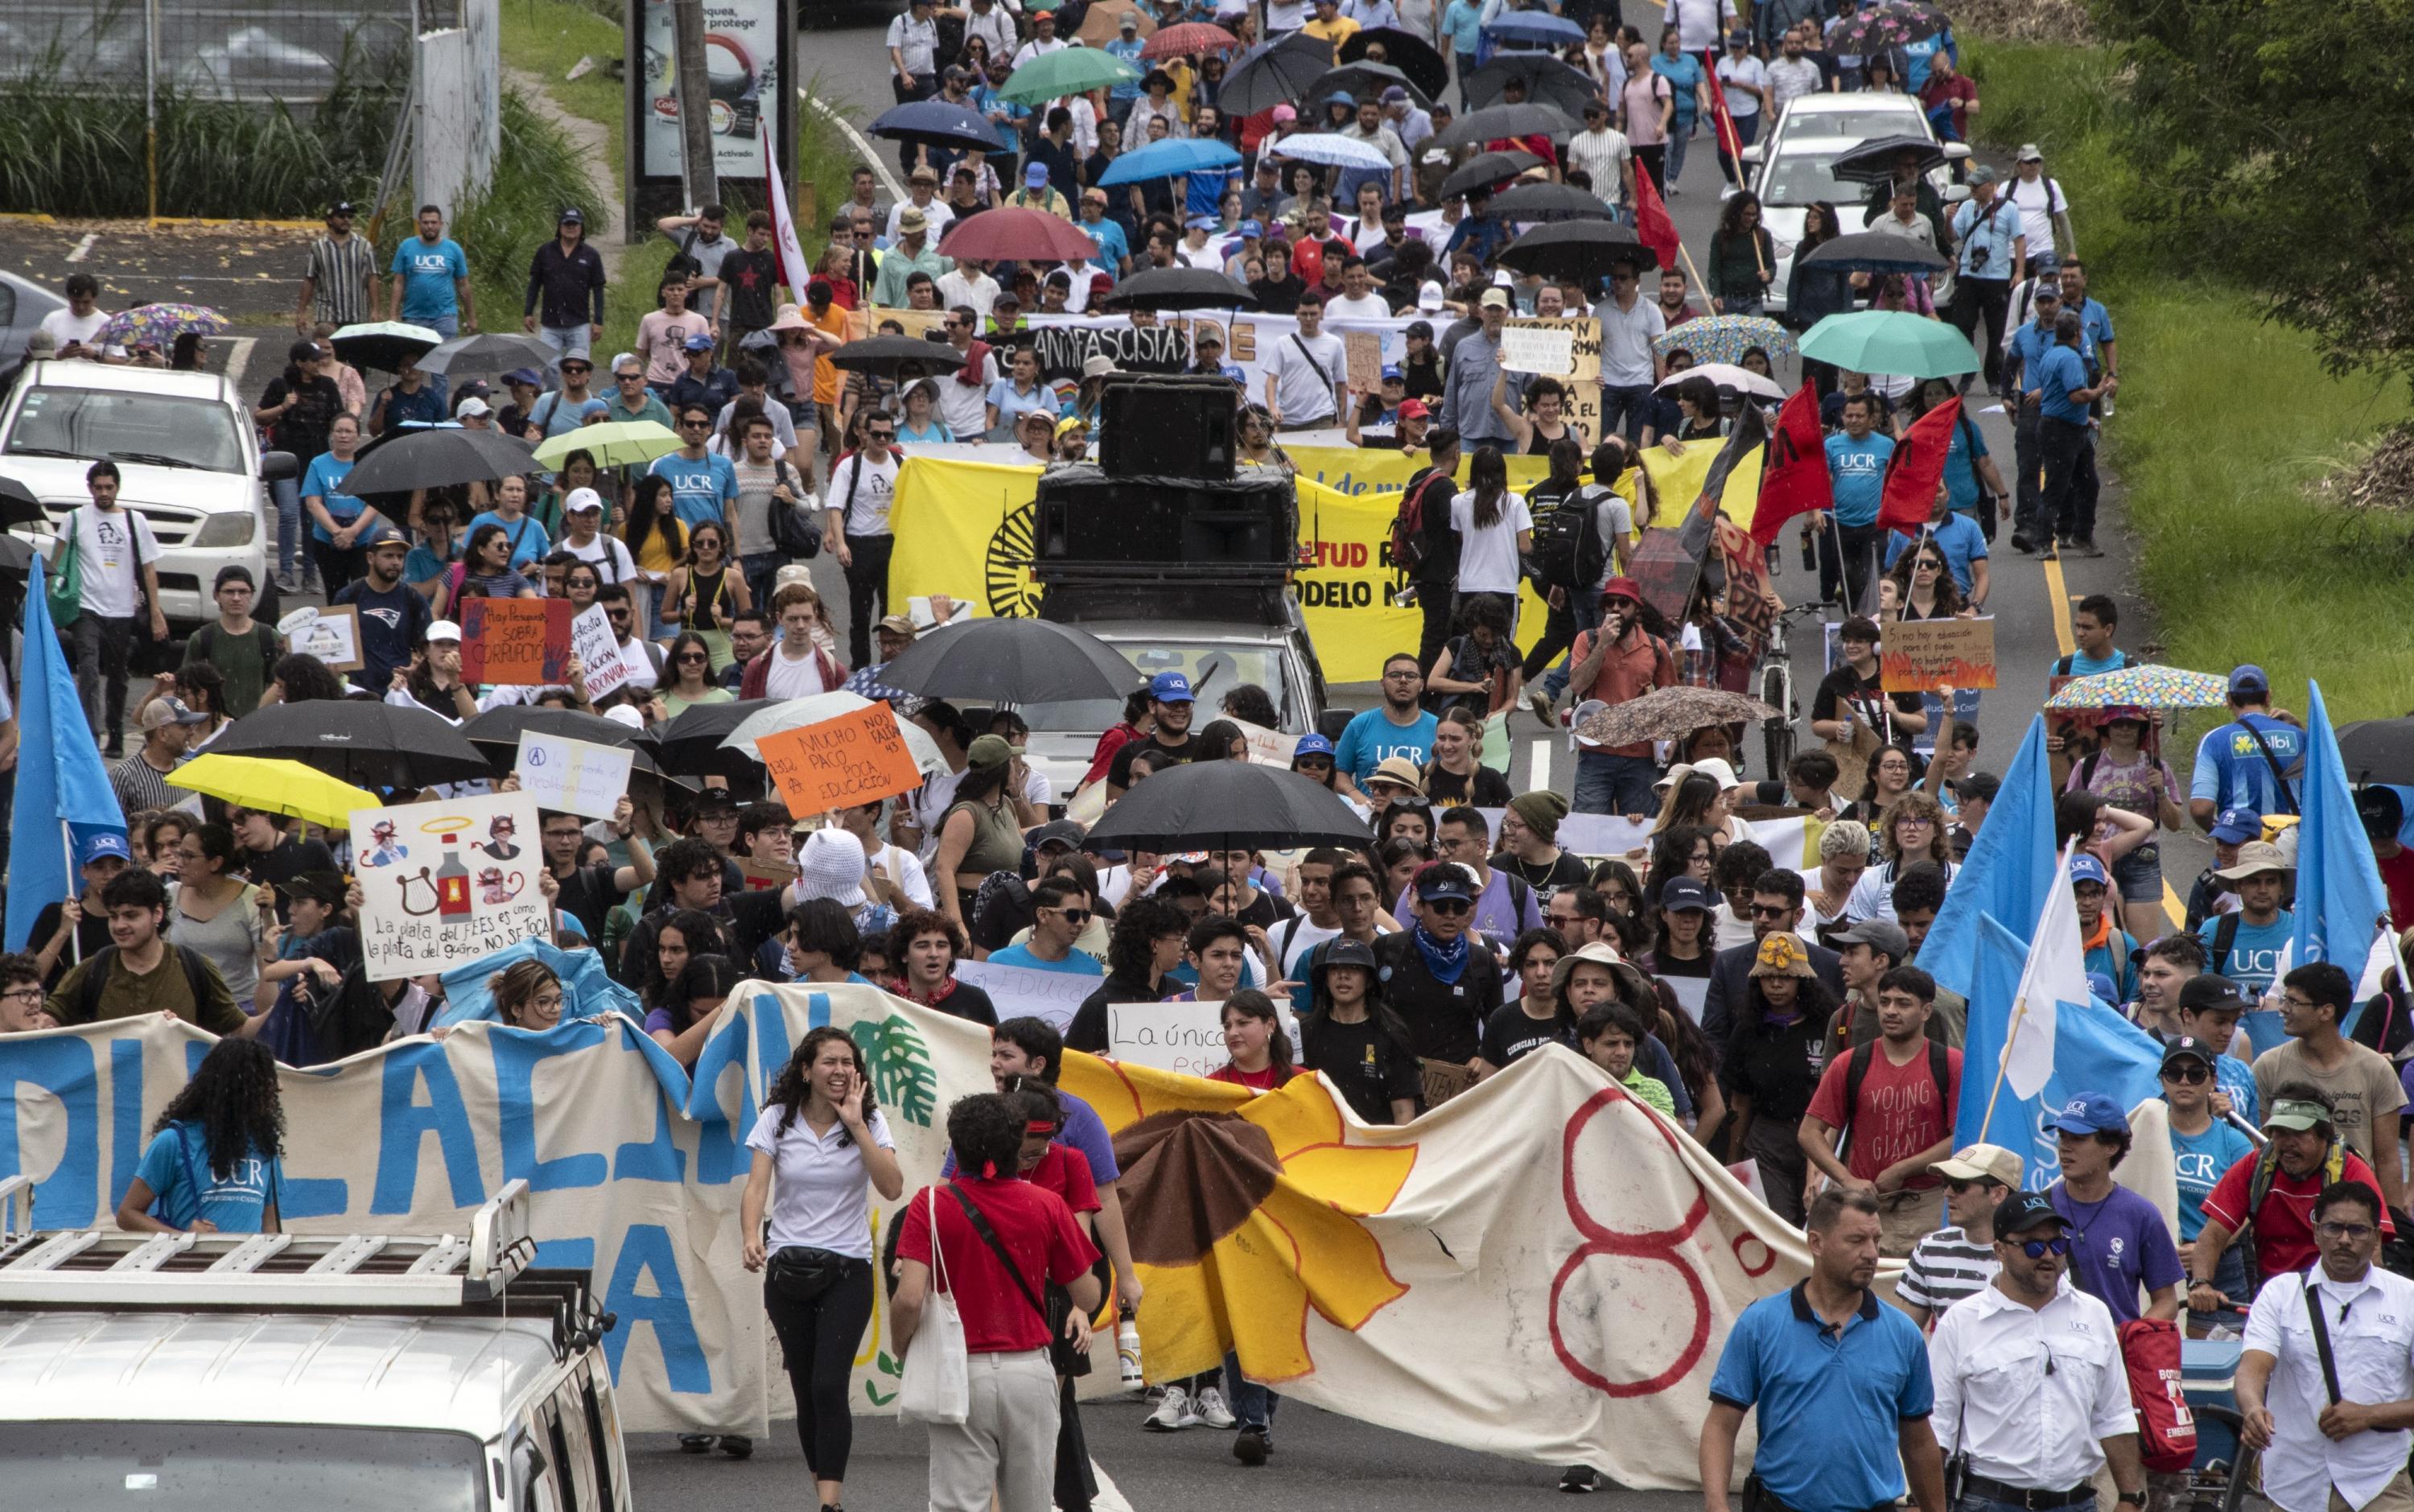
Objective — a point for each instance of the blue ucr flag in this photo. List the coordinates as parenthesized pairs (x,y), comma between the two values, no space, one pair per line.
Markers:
(2010,867)
(63,792)
(2095,1050)
(2339,893)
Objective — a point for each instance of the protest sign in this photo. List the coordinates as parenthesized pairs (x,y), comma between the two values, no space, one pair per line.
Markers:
(1022,992)
(762,876)
(598,650)
(1924,655)
(1268,747)
(333,635)
(446,882)
(1365,350)
(1444,1080)
(839,763)
(1539,347)
(574,776)
(521,643)
(1188,1037)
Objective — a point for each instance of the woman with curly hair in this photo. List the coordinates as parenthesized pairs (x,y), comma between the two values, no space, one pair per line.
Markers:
(215,1163)
(689,932)
(924,946)
(1912,830)
(1142,953)
(819,1147)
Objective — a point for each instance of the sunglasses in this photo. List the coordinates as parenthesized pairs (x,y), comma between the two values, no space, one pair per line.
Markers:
(1449,906)
(1763,911)
(576,367)
(696,424)
(2039,1249)
(693,658)
(2186,1076)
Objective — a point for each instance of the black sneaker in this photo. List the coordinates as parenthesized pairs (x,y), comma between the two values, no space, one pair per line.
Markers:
(1580,1480)
(695,1444)
(1251,1445)
(738,1445)
(2049,554)
(2021,543)
(2085,546)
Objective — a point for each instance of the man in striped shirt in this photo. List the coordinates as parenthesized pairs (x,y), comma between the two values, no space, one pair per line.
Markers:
(338,285)
(1950,1264)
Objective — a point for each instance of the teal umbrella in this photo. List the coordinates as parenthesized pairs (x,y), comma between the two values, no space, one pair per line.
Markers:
(1073,70)
(1894,342)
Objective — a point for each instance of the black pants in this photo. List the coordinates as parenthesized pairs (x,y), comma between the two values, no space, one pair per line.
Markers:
(1653,161)
(2067,512)
(338,565)
(104,650)
(819,1313)
(1075,1486)
(1558,635)
(2028,460)
(867,574)
(1435,601)
(1988,299)
(1852,570)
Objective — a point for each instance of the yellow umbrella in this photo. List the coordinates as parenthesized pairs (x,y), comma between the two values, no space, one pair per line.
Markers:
(274,787)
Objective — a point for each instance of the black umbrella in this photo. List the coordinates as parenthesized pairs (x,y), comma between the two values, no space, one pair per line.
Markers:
(498,731)
(1550,202)
(488,352)
(1232,805)
(384,345)
(437,456)
(1274,74)
(18,506)
(938,123)
(1485,169)
(1510,122)
(1405,50)
(16,557)
(690,746)
(898,357)
(1011,661)
(2378,750)
(359,740)
(1547,80)
(1179,288)
(1874,160)
(1365,81)
(1581,249)
(1876,251)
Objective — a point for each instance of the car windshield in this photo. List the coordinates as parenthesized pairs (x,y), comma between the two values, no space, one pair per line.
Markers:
(96,423)
(241,1467)
(1802,179)
(1214,670)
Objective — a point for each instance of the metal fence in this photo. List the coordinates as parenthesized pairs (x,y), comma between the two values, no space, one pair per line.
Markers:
(296,52)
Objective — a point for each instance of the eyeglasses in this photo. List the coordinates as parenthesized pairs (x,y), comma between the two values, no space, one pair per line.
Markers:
(2039,1249)
(2355,1233)
(2186,1076)
(2304,1003)
(696,424)
(21,994)
(1449,906)
(693,658)
(1914,821)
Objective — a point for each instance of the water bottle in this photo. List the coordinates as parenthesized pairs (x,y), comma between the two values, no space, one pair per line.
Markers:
(1128,1352)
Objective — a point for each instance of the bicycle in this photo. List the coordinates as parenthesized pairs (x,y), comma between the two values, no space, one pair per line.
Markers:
(1777,689)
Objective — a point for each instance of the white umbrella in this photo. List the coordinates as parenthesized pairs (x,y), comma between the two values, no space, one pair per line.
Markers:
(1330,149)
(797,712)
(1728,375)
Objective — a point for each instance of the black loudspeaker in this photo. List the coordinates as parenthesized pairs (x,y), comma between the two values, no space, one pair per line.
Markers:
(1086,517)
(1170,428)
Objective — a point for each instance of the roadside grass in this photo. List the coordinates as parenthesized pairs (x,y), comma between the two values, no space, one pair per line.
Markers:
(547,38)
(2224,423)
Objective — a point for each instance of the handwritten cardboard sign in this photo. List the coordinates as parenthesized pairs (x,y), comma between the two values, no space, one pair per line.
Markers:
(1539,347)
(521,642)
(1268,747)
(1924,655)
(579,777)
(1444,1080)
(598,650)
(1026,992)
(840,762)
(333,635)
(1188,1037)
(1365,350)
(446,882)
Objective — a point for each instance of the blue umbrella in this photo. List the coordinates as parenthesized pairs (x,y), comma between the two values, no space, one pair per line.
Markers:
(1535,27)
(65,805)
(938,123)
(1165,159)
(1330,149)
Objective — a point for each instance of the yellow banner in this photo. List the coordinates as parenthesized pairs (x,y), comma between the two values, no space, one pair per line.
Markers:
(1678,481)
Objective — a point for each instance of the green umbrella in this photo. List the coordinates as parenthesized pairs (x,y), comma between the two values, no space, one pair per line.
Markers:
(1072,70)
(616,444)
(1894,342)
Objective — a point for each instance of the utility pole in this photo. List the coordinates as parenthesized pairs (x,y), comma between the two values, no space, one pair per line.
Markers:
(703,182)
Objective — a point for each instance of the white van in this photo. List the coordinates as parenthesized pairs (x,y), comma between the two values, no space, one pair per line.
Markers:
(187,454)
(210,1373)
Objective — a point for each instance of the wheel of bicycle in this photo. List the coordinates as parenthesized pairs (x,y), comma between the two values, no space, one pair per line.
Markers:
(1777,733)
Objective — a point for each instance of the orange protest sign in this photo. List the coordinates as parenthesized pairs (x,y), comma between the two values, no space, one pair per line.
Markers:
(515,641)
(1928,655)
(840,762)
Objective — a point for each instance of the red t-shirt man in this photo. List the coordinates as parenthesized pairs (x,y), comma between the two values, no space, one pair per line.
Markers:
(1036,1229)
(1635,662)
(1901,1111)
(1959,90)
(2284,1225)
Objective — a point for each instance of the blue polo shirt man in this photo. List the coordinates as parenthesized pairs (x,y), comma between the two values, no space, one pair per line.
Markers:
(2232,770)
(1841,1383)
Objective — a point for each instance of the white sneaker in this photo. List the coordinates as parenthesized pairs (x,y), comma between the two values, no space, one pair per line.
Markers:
(1212,1410)
(1172,1412)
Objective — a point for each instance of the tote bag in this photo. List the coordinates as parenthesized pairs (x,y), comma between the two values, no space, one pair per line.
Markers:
(936,1386)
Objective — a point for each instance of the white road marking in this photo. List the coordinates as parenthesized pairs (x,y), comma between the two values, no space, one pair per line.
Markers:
(1538,770)
(1109,1499)
(862,146)
(83,249)
(238,356)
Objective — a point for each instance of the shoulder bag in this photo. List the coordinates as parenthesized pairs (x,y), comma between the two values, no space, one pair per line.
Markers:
(64,588)
(936,1385)
(1062,1355)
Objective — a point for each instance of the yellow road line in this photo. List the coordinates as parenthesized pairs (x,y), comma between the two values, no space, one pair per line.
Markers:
(2058,604)
(2176,909)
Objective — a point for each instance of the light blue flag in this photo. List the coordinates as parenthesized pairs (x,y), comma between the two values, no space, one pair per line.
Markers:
(2007,874)
(586,987)
(2339,892)
(63,794)
(2095,1050)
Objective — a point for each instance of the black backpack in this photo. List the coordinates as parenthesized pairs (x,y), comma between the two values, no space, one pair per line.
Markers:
(1567,548)
(1857,1069)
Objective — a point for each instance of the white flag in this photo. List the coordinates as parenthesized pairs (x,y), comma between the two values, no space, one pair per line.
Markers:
(783,221)
(2056,973)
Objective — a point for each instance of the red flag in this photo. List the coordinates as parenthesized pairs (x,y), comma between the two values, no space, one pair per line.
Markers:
(1916,468)
(1794,480)
(1651,222)
(1729,143)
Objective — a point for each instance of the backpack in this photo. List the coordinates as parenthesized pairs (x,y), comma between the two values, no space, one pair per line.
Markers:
(2150,1349)
(1857,1069)
(1411,548)
(205,639)
(198,970)
(1568,550)
(794,533)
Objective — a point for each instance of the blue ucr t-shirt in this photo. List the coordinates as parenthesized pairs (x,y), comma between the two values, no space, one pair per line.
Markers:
(2199,1160)
(1370,738)
(1857,469)
(428,272)
(176,1167)
(700,489)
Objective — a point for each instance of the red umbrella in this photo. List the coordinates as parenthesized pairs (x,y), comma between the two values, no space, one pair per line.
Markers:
(1189,37)
(1020,234)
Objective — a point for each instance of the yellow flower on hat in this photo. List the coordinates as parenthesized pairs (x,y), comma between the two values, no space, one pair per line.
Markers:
(1781,954)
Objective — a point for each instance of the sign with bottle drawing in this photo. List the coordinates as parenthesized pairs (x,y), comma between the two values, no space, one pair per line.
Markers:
(446,882)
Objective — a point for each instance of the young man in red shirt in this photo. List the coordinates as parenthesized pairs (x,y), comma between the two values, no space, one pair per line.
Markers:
(2275,1189)
(1008,1439)
(1897,1094)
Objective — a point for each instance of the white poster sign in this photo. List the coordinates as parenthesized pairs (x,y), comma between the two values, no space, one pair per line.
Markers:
(579,777)
(1538,348)
(1268,747)
(1188,1037)
(598,650)
(446,882)
(1022,992)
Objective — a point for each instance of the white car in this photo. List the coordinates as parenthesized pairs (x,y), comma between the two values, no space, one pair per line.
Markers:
(1792,168)
(187,452)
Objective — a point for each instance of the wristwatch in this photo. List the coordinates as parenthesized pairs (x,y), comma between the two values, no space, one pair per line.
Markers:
(2130,1499)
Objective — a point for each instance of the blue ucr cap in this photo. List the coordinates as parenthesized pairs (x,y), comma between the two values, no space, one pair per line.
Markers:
(2237,826)
(701,342)
(2084,868)
(1311,745)
(92,847)
(1170,687)
(1341,97)
(1392,370)
(2101,985)
(1252,228)
(2091,1112)
(1201,223)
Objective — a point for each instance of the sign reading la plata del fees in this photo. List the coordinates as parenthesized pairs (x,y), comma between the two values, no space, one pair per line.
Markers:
(446,882)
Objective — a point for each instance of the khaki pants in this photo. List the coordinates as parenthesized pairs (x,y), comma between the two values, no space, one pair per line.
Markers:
(1905,1218)
(1007,1440)
(2397,1496)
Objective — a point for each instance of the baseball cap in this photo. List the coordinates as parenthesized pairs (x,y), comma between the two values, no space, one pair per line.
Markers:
(1982,174)
(1494,298)
(1400,772)
(2085,868)
(1429,297)
(700,342)
(1414,410)
(444,630)
(1738,38)
(1393,95)
(2187,1047)
(571,215)
(1980,786)
(1253,227)
(1624,588)
(1392,372)
(1064,832)
(383,535)
(2237,826)
(1311,745)
(1201,223)
(2091,1112)
(477,406)
(1445,879)
(1345,951)
(1129,22)
(525,375)
(2025,1211)
(2029,154)
(898,624)
(1680,893)
(161,712)
(2207,993)
(1285,113)
(106,843)
(1717,771)
(1070,423)
(2255,858)
(2296,1112)
(1881,935)
(580,501)
(628,360)
(319,887)
(2100,984)
(991,751)
(1170,687)
(342,207)
(2248,677)
(1035,173)
(1981,1162)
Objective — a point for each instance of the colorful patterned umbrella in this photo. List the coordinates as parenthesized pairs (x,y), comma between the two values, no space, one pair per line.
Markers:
(156,325)
(1724,339)
(1189,37)
(2143,687)
(1670,715)
(1889,26)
